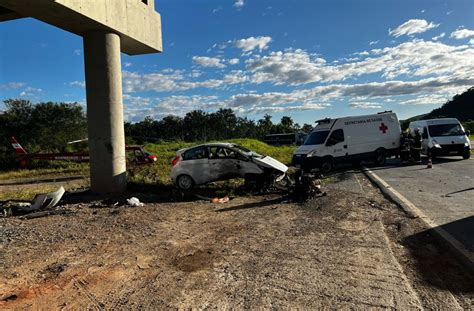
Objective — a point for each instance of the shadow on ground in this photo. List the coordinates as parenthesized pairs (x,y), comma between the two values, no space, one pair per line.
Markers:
(438,263)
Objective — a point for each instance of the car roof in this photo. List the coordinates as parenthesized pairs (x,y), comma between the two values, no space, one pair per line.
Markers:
(208,145)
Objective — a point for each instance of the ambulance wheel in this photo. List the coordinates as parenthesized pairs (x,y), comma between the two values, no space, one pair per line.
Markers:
(380,157)
(327,165)
(466,155)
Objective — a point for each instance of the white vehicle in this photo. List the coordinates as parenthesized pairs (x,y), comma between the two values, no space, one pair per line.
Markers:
(443,137)
(221,161)
(350,139)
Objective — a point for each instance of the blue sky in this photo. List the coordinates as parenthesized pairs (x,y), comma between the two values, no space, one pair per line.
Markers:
(307,59)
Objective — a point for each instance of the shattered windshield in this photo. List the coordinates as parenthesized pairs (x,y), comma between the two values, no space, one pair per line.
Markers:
(453,129)
(316,138)
(246,151)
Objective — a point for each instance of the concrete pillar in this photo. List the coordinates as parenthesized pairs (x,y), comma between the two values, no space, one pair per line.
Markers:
(105,112)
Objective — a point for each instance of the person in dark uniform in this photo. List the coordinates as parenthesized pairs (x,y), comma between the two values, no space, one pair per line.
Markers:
(415,149)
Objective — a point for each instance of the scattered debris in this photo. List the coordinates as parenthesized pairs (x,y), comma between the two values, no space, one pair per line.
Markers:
(9,297)
(133,201)
(213,200)
(306,186)
(41,202)
(220,200)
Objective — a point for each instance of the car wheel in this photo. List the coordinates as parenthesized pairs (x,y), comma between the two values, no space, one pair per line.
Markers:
(466,155)
(380,157)
(326,165)
(184,182)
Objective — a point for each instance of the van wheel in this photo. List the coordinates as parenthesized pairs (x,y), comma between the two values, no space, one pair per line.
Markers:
(355,163)
(380,157)
(466,155)
(431,154)
(327,165)
(185,182)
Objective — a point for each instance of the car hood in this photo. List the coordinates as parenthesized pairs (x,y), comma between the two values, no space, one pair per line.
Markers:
(271,163)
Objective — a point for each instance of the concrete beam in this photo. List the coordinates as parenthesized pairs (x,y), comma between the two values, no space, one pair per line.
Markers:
(105,112)
(136,21)
(7,15)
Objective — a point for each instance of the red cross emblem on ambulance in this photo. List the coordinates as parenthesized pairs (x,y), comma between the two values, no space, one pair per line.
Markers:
(383,128)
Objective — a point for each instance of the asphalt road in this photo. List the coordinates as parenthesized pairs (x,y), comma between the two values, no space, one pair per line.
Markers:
(444,193)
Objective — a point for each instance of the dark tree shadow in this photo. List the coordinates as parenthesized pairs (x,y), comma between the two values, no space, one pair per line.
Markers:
(438,262)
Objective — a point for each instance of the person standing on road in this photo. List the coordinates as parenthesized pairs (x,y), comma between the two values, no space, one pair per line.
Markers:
(416,147)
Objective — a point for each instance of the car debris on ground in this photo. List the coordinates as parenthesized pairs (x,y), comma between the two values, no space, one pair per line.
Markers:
(41,205)
(133,201)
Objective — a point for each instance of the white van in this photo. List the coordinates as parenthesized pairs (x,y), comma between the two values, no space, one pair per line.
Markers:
(443,137)
(350,139)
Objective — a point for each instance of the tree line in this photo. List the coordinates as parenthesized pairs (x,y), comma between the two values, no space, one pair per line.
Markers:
(198,125)
(44,126)
(48,126)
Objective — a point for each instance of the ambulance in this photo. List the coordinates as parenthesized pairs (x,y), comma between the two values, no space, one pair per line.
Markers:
(443,137)
(350,140)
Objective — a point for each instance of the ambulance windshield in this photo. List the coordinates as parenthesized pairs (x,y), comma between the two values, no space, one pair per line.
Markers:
(316,138)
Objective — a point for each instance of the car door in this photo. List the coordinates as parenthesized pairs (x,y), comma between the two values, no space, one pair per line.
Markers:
(195,163)
(222,163)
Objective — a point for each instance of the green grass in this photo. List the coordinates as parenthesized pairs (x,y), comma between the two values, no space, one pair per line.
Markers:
(471,137)
(52,169)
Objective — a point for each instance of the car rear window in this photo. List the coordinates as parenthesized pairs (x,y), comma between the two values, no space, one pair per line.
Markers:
(195,153)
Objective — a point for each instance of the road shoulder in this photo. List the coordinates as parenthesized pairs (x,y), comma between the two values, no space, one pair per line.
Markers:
(413,211)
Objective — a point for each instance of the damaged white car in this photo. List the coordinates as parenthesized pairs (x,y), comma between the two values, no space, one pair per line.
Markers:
(221,161)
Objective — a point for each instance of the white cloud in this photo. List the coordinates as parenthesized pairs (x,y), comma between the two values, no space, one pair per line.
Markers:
(462,33)
(235,77)
(441,35)
(219,8)
(168,80)
(411,27)
(430,99)
(12,86)
(234,61)
(157,108)
(127,64)
(205,61)
(373,42)
(365,105)
(136,100)
(239,4)
(412,73)
(251,43)
(77,52)
(415,58)
(31,92)
(77,83)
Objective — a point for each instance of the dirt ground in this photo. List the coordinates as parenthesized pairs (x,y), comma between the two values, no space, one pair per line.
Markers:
(349,249)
